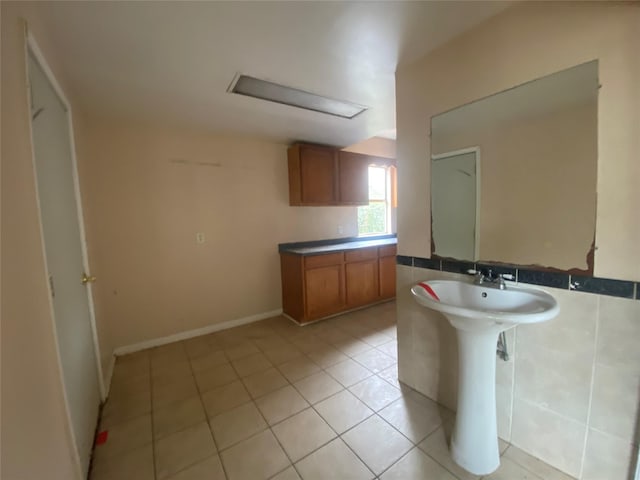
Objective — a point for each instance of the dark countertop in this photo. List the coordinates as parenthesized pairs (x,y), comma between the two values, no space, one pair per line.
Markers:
(336,245)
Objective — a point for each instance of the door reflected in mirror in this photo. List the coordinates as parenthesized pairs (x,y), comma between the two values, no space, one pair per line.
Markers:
(534,202)
(454,195)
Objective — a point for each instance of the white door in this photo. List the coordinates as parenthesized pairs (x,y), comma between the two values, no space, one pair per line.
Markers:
(453,205)
(55,172)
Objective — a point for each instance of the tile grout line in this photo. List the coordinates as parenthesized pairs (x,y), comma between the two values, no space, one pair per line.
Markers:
(134,417)
(289,383)
(204,410)
(188,426)
(206,416)
(312,406)
(269,427)
(549,410)
(375,413)
(434,458)
(596,336)
(324,369)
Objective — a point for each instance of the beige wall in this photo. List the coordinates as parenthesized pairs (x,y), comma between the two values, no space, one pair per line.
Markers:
(147,191)
(571,395)
(526,42)
(376,146)
(538,186)
(35,434)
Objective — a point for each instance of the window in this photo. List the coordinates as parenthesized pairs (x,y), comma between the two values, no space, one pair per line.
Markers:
(375,218)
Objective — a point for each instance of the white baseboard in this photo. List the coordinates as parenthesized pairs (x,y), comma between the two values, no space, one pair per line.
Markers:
(156,342)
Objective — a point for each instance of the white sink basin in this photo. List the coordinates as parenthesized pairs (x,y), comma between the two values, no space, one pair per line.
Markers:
(479,313)
(478,306)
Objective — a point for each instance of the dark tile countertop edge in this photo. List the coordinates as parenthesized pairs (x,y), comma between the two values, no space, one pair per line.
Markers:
(336,244)
(577,283)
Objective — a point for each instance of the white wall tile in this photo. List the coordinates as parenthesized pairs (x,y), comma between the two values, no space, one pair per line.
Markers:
(607,458)
(616,402)
(504,402)
(504,386)
(554,439)
(433,334)
(405,307)
(555,359)
(574,327)
(404,281)
(557,380)
(619,331)
(551,366)
(504,369)
(425,274)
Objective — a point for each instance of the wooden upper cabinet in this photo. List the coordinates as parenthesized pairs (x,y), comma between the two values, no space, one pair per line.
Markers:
(353,178)
(321,175)
(312,175)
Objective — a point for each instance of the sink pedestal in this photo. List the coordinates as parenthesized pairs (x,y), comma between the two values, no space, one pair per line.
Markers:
(479,313)
(474,443)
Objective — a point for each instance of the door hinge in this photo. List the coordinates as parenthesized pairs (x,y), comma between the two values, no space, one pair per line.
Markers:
(51,287)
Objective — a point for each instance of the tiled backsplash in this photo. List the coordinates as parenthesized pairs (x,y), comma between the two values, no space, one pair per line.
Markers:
(570,391)
(580,283)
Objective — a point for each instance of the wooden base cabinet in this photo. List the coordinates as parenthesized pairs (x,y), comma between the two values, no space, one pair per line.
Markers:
(387,271)
(361,269)
(318,286)
(324,288)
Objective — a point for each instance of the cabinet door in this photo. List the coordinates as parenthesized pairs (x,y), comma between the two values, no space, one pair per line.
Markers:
(318,175)
(353,178)
(387,277)
(324,290)
(361,282)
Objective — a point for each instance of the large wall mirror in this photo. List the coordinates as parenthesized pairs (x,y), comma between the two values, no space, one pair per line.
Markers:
(513,175)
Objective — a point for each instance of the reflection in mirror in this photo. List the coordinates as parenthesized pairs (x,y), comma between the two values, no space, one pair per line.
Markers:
(536,147)
(454,195)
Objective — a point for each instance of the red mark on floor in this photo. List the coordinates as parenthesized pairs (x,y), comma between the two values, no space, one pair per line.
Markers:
(102,437)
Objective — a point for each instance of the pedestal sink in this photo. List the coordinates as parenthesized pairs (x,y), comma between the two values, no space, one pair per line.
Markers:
(479,313)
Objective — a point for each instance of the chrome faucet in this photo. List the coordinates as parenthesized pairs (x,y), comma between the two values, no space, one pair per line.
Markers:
(490,279)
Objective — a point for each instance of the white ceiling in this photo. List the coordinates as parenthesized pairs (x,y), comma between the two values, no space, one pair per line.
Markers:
(171,62)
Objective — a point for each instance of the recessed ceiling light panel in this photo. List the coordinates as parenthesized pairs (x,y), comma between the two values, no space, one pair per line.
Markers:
(273,92)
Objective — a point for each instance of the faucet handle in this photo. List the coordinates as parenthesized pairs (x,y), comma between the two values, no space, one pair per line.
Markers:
(500,280)
(479,277)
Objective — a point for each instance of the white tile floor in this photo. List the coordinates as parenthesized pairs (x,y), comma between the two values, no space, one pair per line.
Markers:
(272,400)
